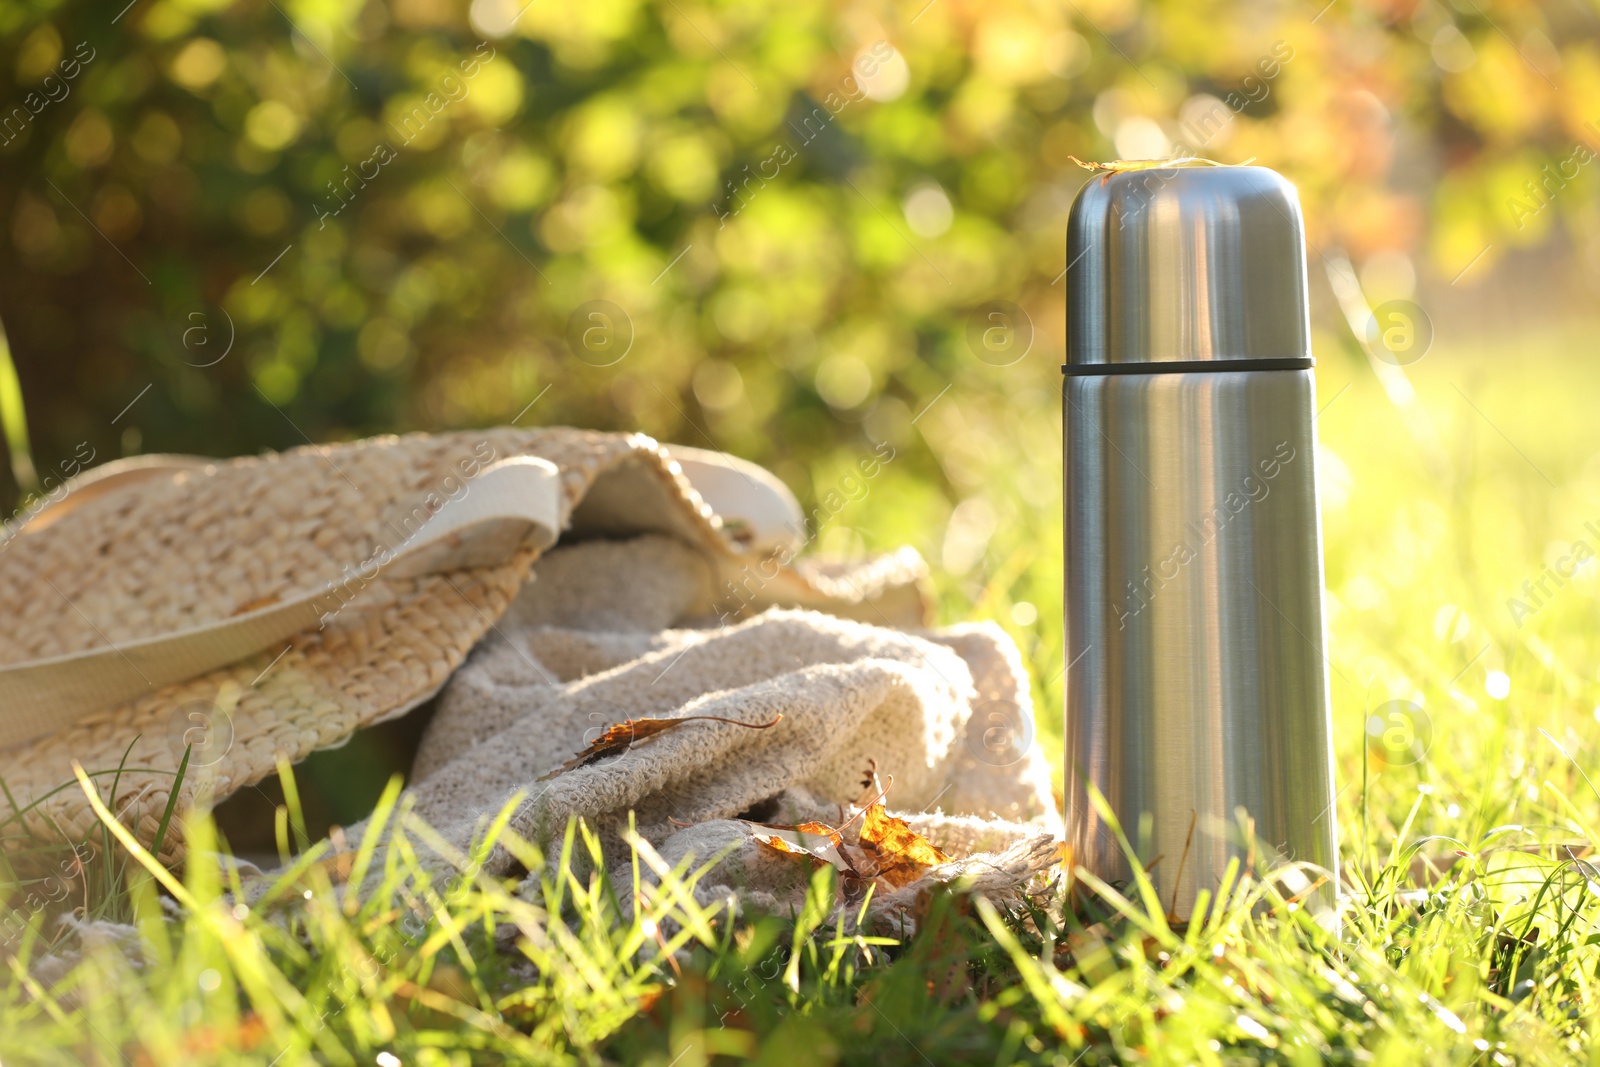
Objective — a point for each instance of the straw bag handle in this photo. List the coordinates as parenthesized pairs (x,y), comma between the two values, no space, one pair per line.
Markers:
(512,503)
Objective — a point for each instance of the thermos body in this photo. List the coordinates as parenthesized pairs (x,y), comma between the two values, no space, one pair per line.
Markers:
(1196,688)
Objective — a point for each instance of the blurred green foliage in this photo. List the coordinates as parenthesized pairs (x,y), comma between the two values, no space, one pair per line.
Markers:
(312,219)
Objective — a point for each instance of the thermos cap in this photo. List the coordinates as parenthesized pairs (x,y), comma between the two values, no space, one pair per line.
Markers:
(1182,264)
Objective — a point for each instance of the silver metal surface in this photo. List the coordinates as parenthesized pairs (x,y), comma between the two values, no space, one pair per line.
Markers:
(1196,693)
(1185,264)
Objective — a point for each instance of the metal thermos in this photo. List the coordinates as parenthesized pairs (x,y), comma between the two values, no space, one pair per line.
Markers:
(1196,687)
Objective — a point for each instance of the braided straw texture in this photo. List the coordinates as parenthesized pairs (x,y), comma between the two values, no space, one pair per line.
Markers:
(191,547)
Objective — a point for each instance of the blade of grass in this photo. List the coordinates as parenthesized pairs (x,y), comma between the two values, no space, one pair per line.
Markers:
(14,420)
(131,843)
(172,803)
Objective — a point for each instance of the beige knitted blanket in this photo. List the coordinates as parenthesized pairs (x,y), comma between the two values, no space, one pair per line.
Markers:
(599,637)
(604,632)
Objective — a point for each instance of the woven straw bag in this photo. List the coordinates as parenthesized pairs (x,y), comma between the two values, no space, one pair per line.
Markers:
(251,611)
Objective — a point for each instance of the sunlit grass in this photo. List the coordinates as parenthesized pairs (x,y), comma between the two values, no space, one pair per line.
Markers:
(1467,934)
(14,420)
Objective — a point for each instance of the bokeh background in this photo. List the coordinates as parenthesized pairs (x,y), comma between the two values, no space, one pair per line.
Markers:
(782,230)
(430,231)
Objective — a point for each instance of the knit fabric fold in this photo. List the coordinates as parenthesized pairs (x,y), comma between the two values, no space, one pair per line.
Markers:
(605,633)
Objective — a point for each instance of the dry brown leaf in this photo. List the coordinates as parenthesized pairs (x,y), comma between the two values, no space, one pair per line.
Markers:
(886,848)
(779,844)
(887,833)
(805,829)
(812,840)
(817,829)
(901,854)
(617,738)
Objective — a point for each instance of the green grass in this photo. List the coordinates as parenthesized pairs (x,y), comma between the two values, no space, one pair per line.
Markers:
(1469,935)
